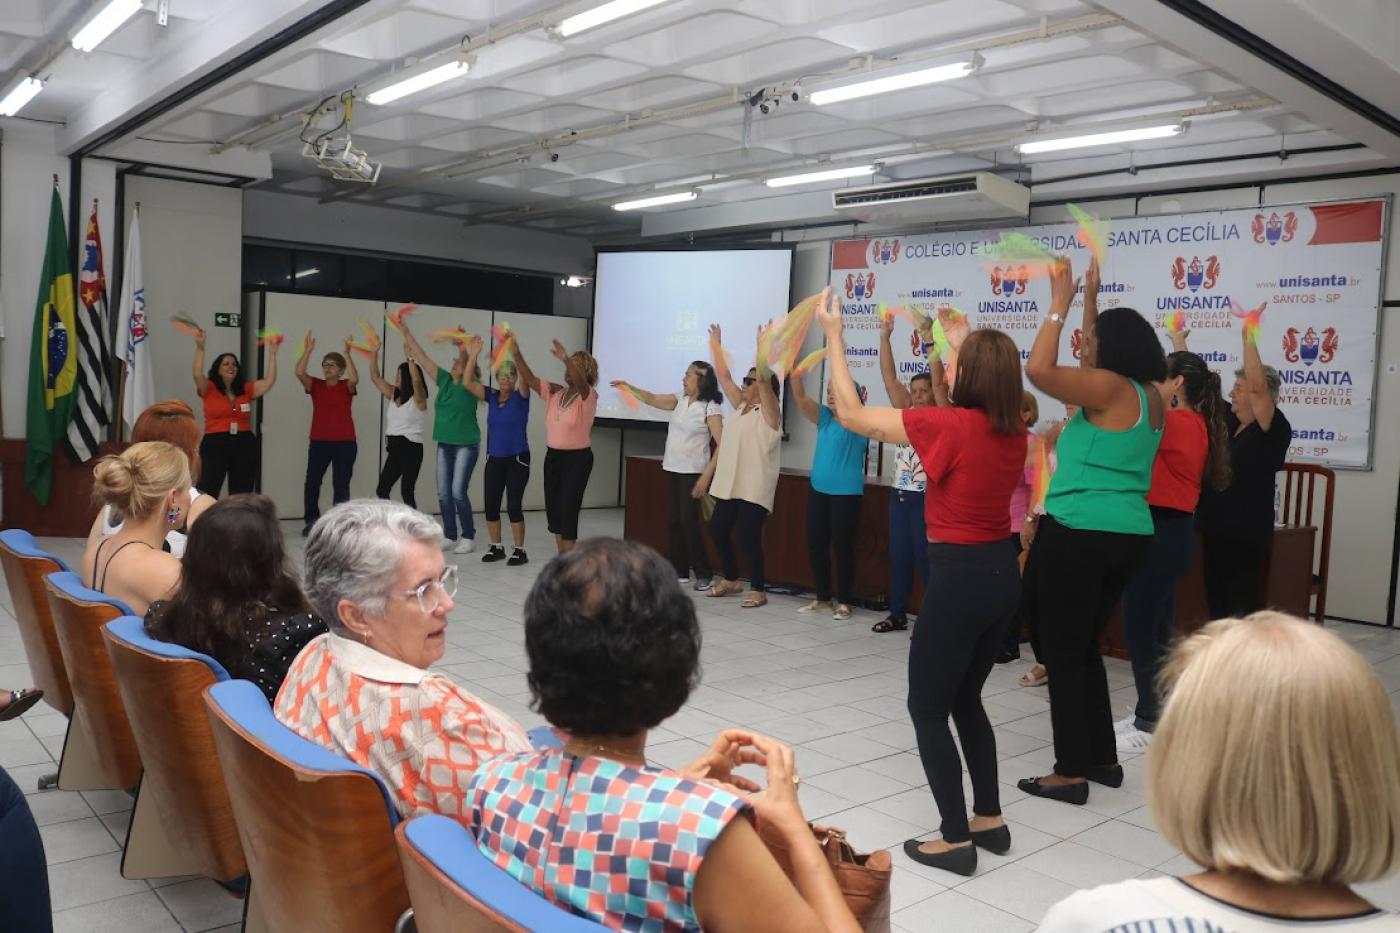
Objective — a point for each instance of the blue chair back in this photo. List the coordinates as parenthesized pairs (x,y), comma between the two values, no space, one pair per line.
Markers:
(71,585)
(544,739)
(439,853)
(132,631)
(317,829)
(23,544)
(26,565)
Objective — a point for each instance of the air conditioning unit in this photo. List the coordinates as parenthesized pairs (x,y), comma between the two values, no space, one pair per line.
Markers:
(978,196)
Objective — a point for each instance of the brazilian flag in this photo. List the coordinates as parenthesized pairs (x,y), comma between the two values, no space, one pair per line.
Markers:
(53,360)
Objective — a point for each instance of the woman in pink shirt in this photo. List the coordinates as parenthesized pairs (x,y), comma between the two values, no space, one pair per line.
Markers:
(569,410)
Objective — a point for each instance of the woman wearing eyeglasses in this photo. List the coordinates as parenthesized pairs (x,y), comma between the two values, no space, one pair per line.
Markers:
(375,573)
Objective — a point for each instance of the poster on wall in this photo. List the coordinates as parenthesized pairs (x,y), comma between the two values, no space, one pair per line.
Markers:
(1319,267)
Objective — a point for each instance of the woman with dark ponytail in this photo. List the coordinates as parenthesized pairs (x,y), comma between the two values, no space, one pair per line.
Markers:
(1195,448)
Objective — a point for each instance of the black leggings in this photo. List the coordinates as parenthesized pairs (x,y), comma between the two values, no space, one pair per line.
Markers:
(971,596)
(403,459)
(831,526)
(566,475)
(507,475)
(1079,577)
(687,544)
(1234,575)
(228,455)
(750,518)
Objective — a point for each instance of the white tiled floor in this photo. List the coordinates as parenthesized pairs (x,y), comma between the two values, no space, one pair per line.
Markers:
(833,690)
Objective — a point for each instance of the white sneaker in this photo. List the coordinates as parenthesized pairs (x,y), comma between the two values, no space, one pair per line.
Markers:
(464,546)
(815,606)
(446,543)
(1134,740)
(1126,724)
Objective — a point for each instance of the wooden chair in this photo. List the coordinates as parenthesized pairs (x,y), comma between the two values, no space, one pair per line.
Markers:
(456,889)
(99,751)
(317,829)
(162,687)
(25,568)
(1299,498)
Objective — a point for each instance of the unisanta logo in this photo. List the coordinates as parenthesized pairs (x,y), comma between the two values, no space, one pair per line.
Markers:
(884,252)
(1009,280)
(1076,344)
(916,343)
(1196,274)
(1311,349)
(1276,230)
(860,286)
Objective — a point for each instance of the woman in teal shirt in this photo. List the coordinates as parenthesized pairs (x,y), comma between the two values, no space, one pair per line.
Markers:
(1097,527)
(833,502)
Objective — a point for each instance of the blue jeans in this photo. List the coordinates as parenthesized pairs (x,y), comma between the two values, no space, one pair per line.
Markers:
(455,463)
(908,548)
(1149,607)
(24,881)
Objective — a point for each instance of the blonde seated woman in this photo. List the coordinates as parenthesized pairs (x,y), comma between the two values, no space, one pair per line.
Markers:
(148,484)
(1276,766)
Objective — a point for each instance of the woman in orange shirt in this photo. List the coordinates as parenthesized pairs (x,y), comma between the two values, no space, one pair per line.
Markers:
(229,447)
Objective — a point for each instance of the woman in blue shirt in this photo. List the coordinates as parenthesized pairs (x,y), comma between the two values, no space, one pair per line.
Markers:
(507,454)
(833,503)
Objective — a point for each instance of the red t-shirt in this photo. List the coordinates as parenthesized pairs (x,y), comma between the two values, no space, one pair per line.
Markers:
(971,471)
(1181,461)
(330,411)
(219,412)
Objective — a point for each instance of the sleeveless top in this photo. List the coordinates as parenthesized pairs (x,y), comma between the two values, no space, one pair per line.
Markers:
(174,540)
(614,843)
(404,420)
(1102,477)
(746,465)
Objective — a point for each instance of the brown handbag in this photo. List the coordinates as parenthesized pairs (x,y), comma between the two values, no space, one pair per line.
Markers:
(864,880)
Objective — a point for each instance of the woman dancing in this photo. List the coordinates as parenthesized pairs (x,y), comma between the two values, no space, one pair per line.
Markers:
(229,448)
(568,459)
(973,453)
(1097,529)
(697,423)
(507,454)
(403,426)
(332,441)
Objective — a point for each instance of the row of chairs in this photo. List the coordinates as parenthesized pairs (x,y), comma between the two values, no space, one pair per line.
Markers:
(226,791)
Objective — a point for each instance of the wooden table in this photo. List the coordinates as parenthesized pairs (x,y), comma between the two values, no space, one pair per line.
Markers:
(1288,573)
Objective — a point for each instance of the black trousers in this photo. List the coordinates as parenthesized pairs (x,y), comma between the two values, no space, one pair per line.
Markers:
(687,544)
(339,456)
(234,456)
(403,459)
(1079,577)
(1149,607)
(1234,575)
(566,475)
(749,518)
(508,476)
(971,596)
(1027,610)
(831,528)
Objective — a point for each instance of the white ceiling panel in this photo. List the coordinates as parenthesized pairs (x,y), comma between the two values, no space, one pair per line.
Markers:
(696,37)
(795,56)
(575,75)
(398,34)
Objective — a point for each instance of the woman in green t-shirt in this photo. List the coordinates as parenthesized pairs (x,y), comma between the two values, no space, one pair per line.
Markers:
(458,438)
(1097,527)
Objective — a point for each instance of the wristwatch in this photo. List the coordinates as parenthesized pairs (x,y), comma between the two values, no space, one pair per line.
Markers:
(1056,318)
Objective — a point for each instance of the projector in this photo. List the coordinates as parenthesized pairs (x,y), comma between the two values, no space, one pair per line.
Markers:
(343,160)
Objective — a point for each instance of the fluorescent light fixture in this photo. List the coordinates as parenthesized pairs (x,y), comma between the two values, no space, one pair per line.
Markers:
(419,82)
(606,13)
(305,272)
(19,95)
(830,174)
(657,201)
(576,281)
(891,83)
(106,22)
(1111,138)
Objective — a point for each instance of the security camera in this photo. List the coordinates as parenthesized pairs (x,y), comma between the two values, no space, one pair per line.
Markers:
(554,157)
(763,108)
(796,95)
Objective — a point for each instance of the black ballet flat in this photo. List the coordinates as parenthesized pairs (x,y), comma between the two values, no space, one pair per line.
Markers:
(959,861)
(996,841)
(1107,775)
(1077,794)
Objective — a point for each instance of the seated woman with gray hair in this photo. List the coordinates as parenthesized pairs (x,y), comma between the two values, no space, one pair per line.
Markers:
(1273,768)
(1237,523)
(375,574)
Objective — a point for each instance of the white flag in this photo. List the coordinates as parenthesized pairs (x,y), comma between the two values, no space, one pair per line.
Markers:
(133,331)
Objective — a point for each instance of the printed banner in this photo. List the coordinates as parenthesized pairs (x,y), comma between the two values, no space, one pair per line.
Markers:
(1319,267)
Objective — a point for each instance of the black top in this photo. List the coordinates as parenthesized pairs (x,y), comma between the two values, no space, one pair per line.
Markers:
(1245,509)
(270,646)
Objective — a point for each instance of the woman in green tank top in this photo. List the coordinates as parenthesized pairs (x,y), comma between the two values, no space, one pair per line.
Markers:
(1097,527)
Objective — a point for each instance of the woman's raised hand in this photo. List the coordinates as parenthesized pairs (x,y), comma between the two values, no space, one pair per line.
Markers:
(557,350)
(830,320)
(1063,285)
(308,343)
(475,344)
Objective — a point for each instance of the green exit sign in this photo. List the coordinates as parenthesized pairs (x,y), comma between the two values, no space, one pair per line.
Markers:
(228,318)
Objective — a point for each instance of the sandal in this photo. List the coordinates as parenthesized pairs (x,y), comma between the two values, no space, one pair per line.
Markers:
(890,624)
(725,588)
(754,600)
(1037,676)
(20,702)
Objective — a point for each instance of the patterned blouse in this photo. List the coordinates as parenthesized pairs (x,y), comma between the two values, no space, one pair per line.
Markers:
(617,844)
(419,731)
